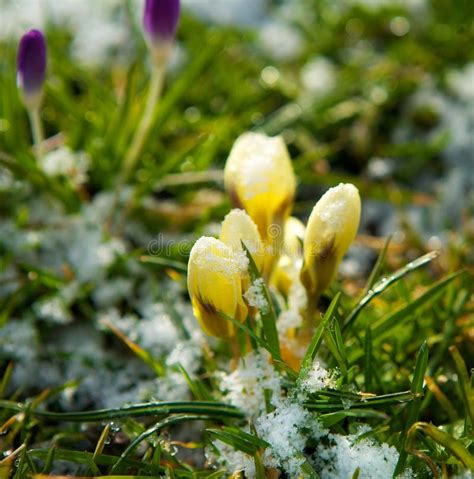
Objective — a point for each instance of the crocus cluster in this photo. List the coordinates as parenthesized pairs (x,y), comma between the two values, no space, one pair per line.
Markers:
(260,181)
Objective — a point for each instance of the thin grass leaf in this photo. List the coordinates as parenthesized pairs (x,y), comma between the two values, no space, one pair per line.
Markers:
(443,400)
(216,475)
(449,331)
(333,339)
(6,463)
(384,327)
(267,315)
(414,408)
(444,439)
(334,404)
(102,441)
(197,388)
(183,83)
(329,419)
(467,391)
(368,359)
(386,282)
(239,440)
(308,470)
(6,378)
(316,340)
(30,463)
(135,410)
(48,464)
(154,430)
(378,266)
(84,458)
(260,341)
(145,356)
(356,473)
(168,263)
(259,467)
(44,476)
(282,366)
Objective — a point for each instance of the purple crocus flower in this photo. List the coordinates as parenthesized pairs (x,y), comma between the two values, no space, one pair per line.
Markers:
(31,65)
(160,19)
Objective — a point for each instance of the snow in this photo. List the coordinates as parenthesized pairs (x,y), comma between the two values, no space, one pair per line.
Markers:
(318,76)
(288,427)
(53,310)
(236,228)
(334,205)
(283,429)
(260,165)
(245,387)
(318,378)
(345,454)
(280,41)
(288,320)
(233,460)
(255,296)
(64,162)
(213,255)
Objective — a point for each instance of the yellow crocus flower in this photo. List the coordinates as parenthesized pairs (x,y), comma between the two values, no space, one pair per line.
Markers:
(215,286)
(331,228)
(259,178)
(289,264)
(238,227)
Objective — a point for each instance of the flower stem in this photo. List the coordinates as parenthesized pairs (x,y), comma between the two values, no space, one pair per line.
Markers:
(37,130)
(143,130)
(140,137)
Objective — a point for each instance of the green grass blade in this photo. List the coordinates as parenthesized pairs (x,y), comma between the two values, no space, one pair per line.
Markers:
(166,263)
(239,440)
(332,336)
(379,287)
(447,441)
(467,391)
(154,430)
(329,419)
(335,401)
(317,339)
(377,269)
(84,458)
(268,315)
(385,326)
(368,359)
(196,387)
(209,408)
(260,341)
(414,408)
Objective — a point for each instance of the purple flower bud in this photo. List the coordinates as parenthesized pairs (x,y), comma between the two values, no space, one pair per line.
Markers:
(160,19)
(31,65)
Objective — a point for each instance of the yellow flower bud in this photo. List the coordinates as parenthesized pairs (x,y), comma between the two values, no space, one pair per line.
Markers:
(289,264)
(238,227)
(331,228)
(293,238)
(215,286)
(259,178)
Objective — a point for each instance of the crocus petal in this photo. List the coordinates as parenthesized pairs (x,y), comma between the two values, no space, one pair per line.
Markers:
(332,226)
(214,285)
(31,64)
(259,178)
(160,19)
(238,227)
